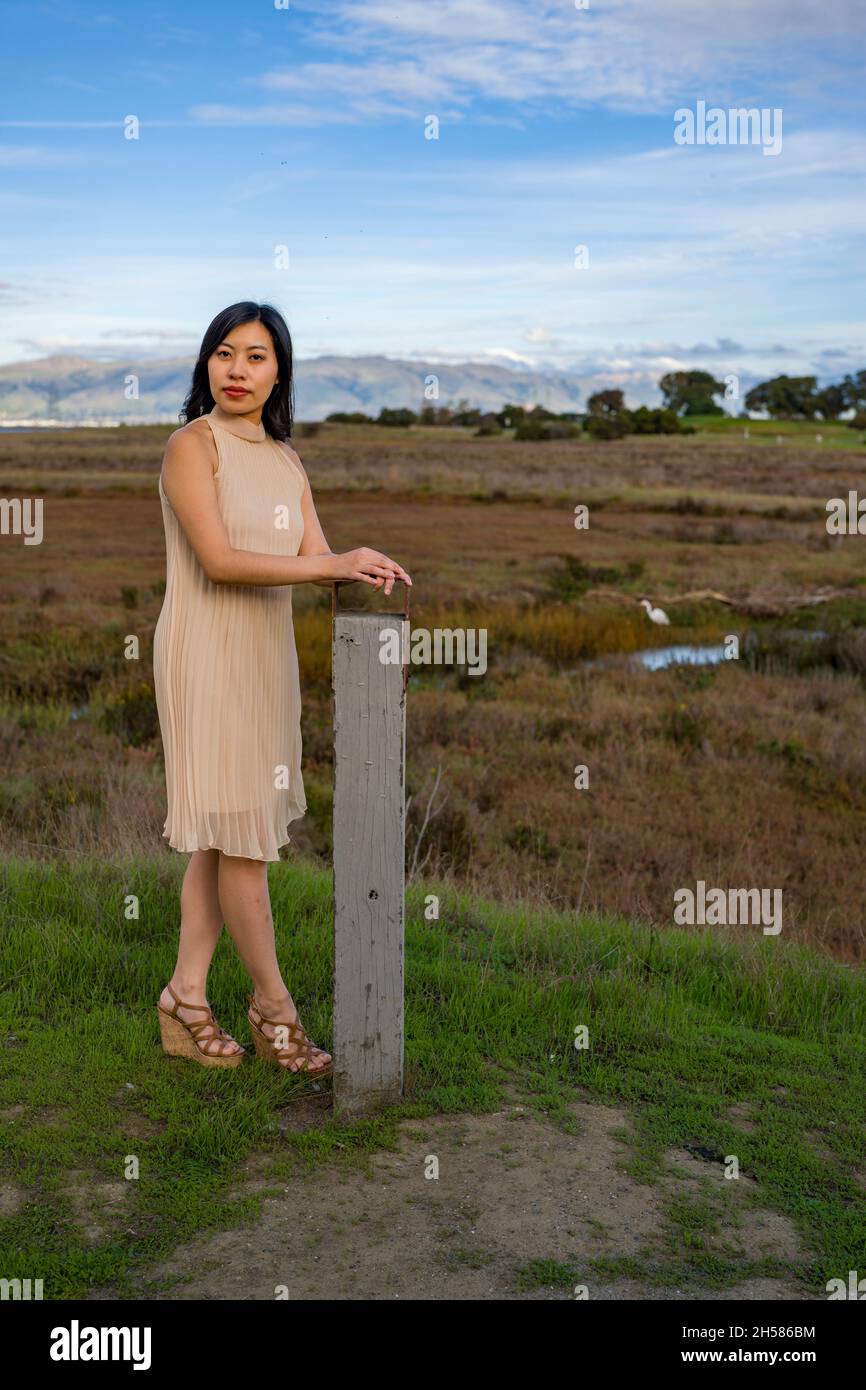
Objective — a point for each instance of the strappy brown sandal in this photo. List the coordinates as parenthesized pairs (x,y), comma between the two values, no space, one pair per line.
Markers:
(298,1048)
(180,1039)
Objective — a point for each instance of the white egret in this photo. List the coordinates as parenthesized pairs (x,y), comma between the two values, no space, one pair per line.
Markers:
(655,615)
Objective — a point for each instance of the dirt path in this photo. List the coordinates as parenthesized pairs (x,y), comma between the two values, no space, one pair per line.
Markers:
(512,1188)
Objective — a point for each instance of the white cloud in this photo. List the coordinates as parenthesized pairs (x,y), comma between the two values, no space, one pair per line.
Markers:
(38,157)
(551,59)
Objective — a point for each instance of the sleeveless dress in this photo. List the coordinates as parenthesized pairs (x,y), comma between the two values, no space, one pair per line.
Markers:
(225,664)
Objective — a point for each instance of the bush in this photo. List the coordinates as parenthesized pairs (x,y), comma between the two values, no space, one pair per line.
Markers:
(131,714)
(51,666)
(400,419)
(529,429)
(546,429)
(685,725)
(644,421)
(575,576)
(689,506)
(615,426)
(533,839)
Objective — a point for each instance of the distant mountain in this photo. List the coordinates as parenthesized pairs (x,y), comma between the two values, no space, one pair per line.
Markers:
(74,390)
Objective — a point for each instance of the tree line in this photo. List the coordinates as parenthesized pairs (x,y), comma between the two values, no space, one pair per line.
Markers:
(606,416)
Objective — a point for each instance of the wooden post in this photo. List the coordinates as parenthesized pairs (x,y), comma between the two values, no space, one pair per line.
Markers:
(369,708)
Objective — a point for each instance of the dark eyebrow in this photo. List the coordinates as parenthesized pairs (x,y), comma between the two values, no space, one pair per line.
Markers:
(252,347)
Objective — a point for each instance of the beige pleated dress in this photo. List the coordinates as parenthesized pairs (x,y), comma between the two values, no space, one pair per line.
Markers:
(225,664)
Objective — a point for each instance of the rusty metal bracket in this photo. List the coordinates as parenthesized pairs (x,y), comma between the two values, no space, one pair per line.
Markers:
(335,608)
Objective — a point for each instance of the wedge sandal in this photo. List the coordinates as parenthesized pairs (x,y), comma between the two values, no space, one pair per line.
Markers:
(299,1047)
(180,1039)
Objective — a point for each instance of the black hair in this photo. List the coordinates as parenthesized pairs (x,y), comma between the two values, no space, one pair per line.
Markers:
(278,412)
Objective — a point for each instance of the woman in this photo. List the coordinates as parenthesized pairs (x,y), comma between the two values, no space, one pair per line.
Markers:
(240,530)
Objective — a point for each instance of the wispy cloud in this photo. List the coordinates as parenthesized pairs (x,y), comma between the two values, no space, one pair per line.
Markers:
(548,59)
(303,127)
(39,157)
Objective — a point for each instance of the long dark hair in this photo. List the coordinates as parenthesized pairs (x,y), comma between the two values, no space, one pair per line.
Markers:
(278,412)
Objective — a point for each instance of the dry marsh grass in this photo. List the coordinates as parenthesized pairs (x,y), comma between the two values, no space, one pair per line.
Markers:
(747,774)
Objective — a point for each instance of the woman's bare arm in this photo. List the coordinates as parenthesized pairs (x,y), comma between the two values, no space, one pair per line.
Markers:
(188,482)
(313,542)
(187,479)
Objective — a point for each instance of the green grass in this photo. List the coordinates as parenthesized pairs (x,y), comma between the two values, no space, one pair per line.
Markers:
(834,433)
(682,1026)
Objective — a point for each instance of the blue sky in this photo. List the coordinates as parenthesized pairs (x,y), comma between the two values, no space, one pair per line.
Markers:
(304,127)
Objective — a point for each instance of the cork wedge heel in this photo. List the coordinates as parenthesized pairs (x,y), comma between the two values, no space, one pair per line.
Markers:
(180,1039)
(297,1048)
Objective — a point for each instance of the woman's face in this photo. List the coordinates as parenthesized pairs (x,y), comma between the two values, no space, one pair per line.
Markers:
(243,368)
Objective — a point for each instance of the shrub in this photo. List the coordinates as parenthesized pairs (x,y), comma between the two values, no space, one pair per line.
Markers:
(644,421)
(614,426)
(400,419)
(55,667)
(689,506)
(131,714)
(685,725)
(546,429)
(576,576)
(533,839)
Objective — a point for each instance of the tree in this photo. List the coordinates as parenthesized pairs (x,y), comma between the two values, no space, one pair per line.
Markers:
(401,417)
(606,403)
(830,402)
(691,393)
(434,415)
(854,391)
(785,397)
(465,414)
(511,415)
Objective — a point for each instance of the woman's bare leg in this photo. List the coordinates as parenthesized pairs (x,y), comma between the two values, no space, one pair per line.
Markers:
(246,909)
(201,921)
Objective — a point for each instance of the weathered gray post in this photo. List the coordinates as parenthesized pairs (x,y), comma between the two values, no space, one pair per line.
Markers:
(369,707)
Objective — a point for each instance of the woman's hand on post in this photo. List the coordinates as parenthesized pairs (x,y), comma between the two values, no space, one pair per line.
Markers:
(368,566)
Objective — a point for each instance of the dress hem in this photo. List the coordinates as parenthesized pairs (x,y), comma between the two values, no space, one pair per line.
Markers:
(232,854)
